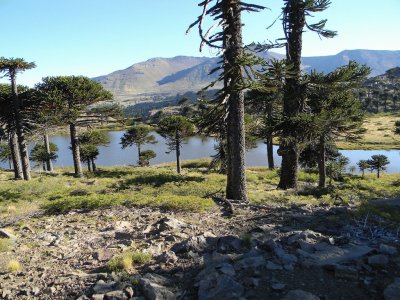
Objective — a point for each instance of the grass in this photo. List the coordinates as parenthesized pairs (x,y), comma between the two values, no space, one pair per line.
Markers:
(379,133)
(161,187)
(127,260)
(5,245)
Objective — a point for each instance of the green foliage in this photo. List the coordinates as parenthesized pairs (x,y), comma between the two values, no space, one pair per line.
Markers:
(96,138)
(175,128)
(378,163)
(145,157)
(5,152)
(39,153)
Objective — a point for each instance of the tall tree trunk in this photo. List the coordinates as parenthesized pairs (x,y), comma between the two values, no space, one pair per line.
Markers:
(75,151)
(321,163)
(293,97)
(94,167)
(378,172)
(138,147)
(49,163)
(26,169)
(178,152)
(88,165)
(44,165)
(270,152)
(16,158)
(232,42)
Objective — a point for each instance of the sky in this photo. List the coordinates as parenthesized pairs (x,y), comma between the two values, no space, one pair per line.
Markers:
(97,37)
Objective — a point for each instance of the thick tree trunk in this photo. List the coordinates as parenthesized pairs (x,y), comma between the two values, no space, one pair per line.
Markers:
(138,147)
(232,42)
(16,158)
(49,163)
(378,172)
(178,153)
(293,98)
(75,151)
(88,165)
(26,169)
(321,164)
(44,165)
(270,152)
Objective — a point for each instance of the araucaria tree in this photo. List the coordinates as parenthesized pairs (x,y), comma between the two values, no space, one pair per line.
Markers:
(378,163)
(175,129)
(294,97)
(88,143)
(11,67)
(137,135)
(70,97)
(227,16)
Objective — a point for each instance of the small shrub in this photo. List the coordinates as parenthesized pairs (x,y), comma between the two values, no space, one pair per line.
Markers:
(13,266)
(4,245)
(79,192)
(127,260)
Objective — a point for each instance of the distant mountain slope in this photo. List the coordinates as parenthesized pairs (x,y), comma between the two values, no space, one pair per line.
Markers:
(378,60)
(157,78)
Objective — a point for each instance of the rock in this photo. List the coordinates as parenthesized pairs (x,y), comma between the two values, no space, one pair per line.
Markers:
(152,288)
(332,255)
(123,226)
(378,260)
(168,223)
(273,266)
(229,243)
(307,236)
(98,297)
(129,291)
(5,234)
(251,282)
(115,295)
(102,287)
(278,286)
(196,244)
(277,249)
(251,262)
(103,254)
(221,287)
(386,249)
(346,272)
(167,257)
(300,295)
(392,291)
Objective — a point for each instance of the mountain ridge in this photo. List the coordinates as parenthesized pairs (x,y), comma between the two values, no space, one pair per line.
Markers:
(160,77)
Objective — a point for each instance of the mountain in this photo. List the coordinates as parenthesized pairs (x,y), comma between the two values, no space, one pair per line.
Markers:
(158,78)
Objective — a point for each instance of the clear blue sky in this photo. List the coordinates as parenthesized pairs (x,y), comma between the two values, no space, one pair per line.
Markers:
(96,37)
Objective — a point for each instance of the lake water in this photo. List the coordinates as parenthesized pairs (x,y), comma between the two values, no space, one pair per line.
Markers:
(196,147)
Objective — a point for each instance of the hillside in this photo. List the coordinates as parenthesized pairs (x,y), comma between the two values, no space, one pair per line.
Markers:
(157,78)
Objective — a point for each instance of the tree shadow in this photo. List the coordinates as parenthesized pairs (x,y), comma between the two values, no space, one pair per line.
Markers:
(9,195)
(158,180)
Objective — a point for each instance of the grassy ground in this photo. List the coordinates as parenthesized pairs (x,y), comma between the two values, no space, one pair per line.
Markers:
(379,133)
(162,187)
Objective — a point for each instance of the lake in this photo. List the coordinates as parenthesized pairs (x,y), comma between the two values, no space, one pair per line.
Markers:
(196,147)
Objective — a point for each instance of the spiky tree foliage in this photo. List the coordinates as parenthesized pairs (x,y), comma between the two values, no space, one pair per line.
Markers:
(378,163)
(145,157)
(105,111)
(294,20)
(88,141)
(176,129)
(40,154)
(362,166)
(137,135)
(11,67)
(336,167)
(226,15)
(70,97)
(334,109)
(5,153)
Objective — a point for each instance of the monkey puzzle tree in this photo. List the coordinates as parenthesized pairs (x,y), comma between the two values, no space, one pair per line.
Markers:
(334,109)
(362,166)
(378,163)
(11,67)
(88,143)
(39,154)
(175,129)
(227,15)
(70,96)
(294,21)
(137,135)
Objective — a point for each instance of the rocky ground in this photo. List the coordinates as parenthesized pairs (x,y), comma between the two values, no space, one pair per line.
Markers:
(295,252)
